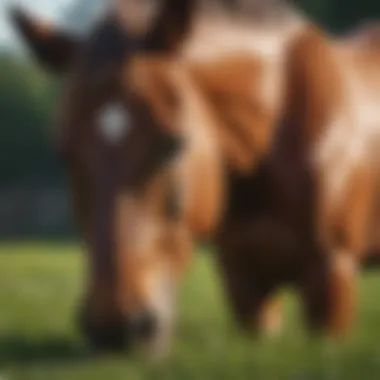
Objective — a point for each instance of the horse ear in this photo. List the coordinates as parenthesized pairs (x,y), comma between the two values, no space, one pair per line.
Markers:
(172,25)
(53,48)
(232,89)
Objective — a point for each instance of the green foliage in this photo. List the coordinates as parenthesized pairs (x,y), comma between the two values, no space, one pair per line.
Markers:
(340,15)
(318,10)
(348,13)
(26,104)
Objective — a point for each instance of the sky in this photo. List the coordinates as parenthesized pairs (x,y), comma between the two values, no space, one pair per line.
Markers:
(52,9)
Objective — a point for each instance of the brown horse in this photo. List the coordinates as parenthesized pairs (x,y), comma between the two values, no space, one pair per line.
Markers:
(307,215)
(255,102)
(137,238)
(292,112)
(111,143)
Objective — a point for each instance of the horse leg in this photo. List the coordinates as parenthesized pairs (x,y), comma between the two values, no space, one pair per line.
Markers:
(351,245)
(270,316)
(251,305)
(314,286)
(328,290)
(258,313)
(343,293)
(244,295)
(345,226)
(345,261)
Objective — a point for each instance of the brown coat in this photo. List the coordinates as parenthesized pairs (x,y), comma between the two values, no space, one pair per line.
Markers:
(279,166)
(301,173)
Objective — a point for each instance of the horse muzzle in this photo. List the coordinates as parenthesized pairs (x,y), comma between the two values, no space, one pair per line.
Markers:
(119,333)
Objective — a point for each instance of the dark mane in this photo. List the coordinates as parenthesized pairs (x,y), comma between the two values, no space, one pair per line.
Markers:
(177,17)
(173,25)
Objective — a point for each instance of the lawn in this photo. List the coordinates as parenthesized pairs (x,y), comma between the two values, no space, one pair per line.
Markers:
(40,285)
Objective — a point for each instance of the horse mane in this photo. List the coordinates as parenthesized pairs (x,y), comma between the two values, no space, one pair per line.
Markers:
(177,17)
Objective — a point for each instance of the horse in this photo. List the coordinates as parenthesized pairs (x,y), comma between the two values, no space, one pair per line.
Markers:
(257,102)
(297,157)
(118,307)
(302,202)
(124,203)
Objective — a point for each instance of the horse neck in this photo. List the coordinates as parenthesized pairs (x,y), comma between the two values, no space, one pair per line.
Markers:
(313,97)
(283,178)
(202,121)
(313,92)
(199,168)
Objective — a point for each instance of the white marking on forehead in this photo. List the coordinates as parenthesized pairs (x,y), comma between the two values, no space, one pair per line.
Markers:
(114,122)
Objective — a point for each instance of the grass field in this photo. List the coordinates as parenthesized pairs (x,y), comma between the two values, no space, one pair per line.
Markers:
(41,284)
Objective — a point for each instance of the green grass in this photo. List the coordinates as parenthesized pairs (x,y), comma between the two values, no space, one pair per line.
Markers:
(40,286)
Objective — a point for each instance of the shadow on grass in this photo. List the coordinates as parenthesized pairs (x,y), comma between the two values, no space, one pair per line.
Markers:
(22,349)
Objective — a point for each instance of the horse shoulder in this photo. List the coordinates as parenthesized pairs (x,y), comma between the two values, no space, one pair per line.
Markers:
(200,169)
(340,99)
(312,123)
(358,168)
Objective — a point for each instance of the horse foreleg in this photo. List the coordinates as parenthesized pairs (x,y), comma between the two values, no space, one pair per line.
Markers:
(343,293)
(271,316)
(246,297)
(346,224)
(253,307)
(315,291)
(329,294)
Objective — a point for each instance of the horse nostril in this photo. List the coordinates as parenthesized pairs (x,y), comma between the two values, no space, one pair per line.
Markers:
(107,336)
(118,333)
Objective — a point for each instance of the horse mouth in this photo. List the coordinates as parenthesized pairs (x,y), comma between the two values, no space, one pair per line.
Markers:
(120,333)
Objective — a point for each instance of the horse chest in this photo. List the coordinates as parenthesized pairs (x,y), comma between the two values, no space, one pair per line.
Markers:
(350,141)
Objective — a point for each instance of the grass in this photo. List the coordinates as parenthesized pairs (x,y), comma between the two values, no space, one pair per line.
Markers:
(40,286)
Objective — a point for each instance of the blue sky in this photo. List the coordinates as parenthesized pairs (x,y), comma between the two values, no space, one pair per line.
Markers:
(48,8)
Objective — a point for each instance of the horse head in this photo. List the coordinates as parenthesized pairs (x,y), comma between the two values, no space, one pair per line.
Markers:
(118,159)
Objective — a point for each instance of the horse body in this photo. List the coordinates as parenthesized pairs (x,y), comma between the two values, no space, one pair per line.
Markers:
(300,198)
(309,209)
(277,168)
(237,68)
(347,154)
